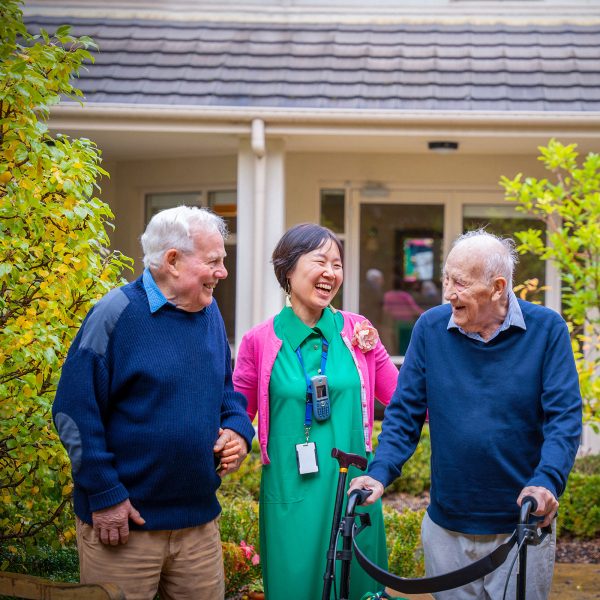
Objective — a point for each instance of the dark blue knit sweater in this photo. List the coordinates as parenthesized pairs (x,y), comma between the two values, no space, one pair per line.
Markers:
(139,404)
(502,415)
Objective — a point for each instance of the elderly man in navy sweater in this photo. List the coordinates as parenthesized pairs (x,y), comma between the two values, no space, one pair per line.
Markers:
(498,379)
(147,411)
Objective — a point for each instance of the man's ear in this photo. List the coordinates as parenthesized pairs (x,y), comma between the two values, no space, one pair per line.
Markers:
(170,259)
(499,288)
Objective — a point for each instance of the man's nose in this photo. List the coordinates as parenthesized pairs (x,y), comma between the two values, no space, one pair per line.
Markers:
(221,272)
(449,292)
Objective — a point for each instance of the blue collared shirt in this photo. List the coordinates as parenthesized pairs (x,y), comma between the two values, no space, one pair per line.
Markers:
(156,299)
(514,317)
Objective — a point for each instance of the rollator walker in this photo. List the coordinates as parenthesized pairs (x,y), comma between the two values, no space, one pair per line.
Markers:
(525,534)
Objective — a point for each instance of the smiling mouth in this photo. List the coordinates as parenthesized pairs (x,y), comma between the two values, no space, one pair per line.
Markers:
(210,286)
(324,287)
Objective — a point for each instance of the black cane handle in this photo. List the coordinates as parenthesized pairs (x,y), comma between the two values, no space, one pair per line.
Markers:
(346,460)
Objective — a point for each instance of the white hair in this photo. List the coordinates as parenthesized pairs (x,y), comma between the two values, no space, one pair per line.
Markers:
(374,276)
(173,227)
(499,254)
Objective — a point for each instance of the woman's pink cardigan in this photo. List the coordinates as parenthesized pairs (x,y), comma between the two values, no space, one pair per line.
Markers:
(256,357)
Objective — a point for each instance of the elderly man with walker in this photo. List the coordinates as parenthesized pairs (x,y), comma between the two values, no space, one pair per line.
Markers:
(497,377)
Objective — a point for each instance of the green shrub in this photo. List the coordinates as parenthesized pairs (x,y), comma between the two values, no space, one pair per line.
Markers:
(416,473)
(587,465)
(239,538)
(58,564)
(246,481)
(579,512)
(403,536)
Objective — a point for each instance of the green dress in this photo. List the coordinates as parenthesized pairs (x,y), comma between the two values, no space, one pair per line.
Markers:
(296,511)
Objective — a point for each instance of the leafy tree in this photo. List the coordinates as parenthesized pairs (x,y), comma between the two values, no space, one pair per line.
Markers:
(569,206)
(55,263)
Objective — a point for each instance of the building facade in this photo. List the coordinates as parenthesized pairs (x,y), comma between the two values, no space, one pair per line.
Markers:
(391,122)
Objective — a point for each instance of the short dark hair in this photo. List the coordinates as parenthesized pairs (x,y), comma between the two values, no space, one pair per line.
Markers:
(296,242)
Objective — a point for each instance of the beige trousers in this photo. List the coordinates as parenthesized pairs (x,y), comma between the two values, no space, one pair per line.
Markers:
(447,551)
(182,564)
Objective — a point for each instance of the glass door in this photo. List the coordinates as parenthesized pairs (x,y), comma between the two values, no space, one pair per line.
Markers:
(400,262)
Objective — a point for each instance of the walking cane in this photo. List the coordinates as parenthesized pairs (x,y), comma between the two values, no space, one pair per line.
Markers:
(345,460)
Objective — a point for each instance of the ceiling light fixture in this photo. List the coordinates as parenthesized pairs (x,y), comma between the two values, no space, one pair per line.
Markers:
(443,146)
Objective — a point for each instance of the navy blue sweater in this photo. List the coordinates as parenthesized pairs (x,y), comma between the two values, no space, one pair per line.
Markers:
(502,415)
(139,404)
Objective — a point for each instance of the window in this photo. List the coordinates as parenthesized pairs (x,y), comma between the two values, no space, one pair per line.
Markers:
(224,204)
(505,220)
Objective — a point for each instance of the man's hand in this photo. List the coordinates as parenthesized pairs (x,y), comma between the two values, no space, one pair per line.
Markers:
(231,448)
(112,524)
(547,504)
(364,482)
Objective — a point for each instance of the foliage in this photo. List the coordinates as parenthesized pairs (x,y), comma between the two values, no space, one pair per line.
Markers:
(58,564)
(588,465)
(55,264)
(416,472)
(246,481)
(579,512)
(403,535)
(569,206)
(239,538)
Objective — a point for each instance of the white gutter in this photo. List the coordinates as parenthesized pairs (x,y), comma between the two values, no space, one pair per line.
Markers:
(237,119)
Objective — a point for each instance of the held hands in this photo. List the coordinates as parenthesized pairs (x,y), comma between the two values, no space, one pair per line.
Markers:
(364,482)
(547,504)
(231,449)
(112,524)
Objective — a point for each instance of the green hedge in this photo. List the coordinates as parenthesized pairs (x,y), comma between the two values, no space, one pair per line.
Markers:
(403,538)
(579,511)
(416,473)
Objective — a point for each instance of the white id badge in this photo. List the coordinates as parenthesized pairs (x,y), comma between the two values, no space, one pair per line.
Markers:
(306,454)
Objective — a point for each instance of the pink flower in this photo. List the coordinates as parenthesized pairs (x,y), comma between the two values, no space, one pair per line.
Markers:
(365,336)
(255,559)
(247,549)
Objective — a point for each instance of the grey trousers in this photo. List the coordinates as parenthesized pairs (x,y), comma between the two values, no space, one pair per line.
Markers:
(448,550)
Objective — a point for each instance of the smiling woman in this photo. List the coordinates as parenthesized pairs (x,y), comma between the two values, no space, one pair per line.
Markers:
(313,390)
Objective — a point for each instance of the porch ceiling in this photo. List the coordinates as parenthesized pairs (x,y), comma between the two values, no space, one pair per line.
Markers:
(132,133)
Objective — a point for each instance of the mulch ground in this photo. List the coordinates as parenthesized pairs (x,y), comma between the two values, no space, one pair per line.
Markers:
(567,550)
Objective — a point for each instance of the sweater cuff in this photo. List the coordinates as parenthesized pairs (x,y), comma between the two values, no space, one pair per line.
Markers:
(380,474)
(108,498)
(545,483)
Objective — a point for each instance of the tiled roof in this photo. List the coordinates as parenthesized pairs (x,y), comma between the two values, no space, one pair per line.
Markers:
(400,67)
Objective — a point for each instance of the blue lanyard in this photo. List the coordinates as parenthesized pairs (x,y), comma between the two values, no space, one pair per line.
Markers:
(309,405)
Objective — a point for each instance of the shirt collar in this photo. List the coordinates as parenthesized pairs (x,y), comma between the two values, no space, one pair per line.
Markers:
(514,318)
(156,299)
(295,331)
